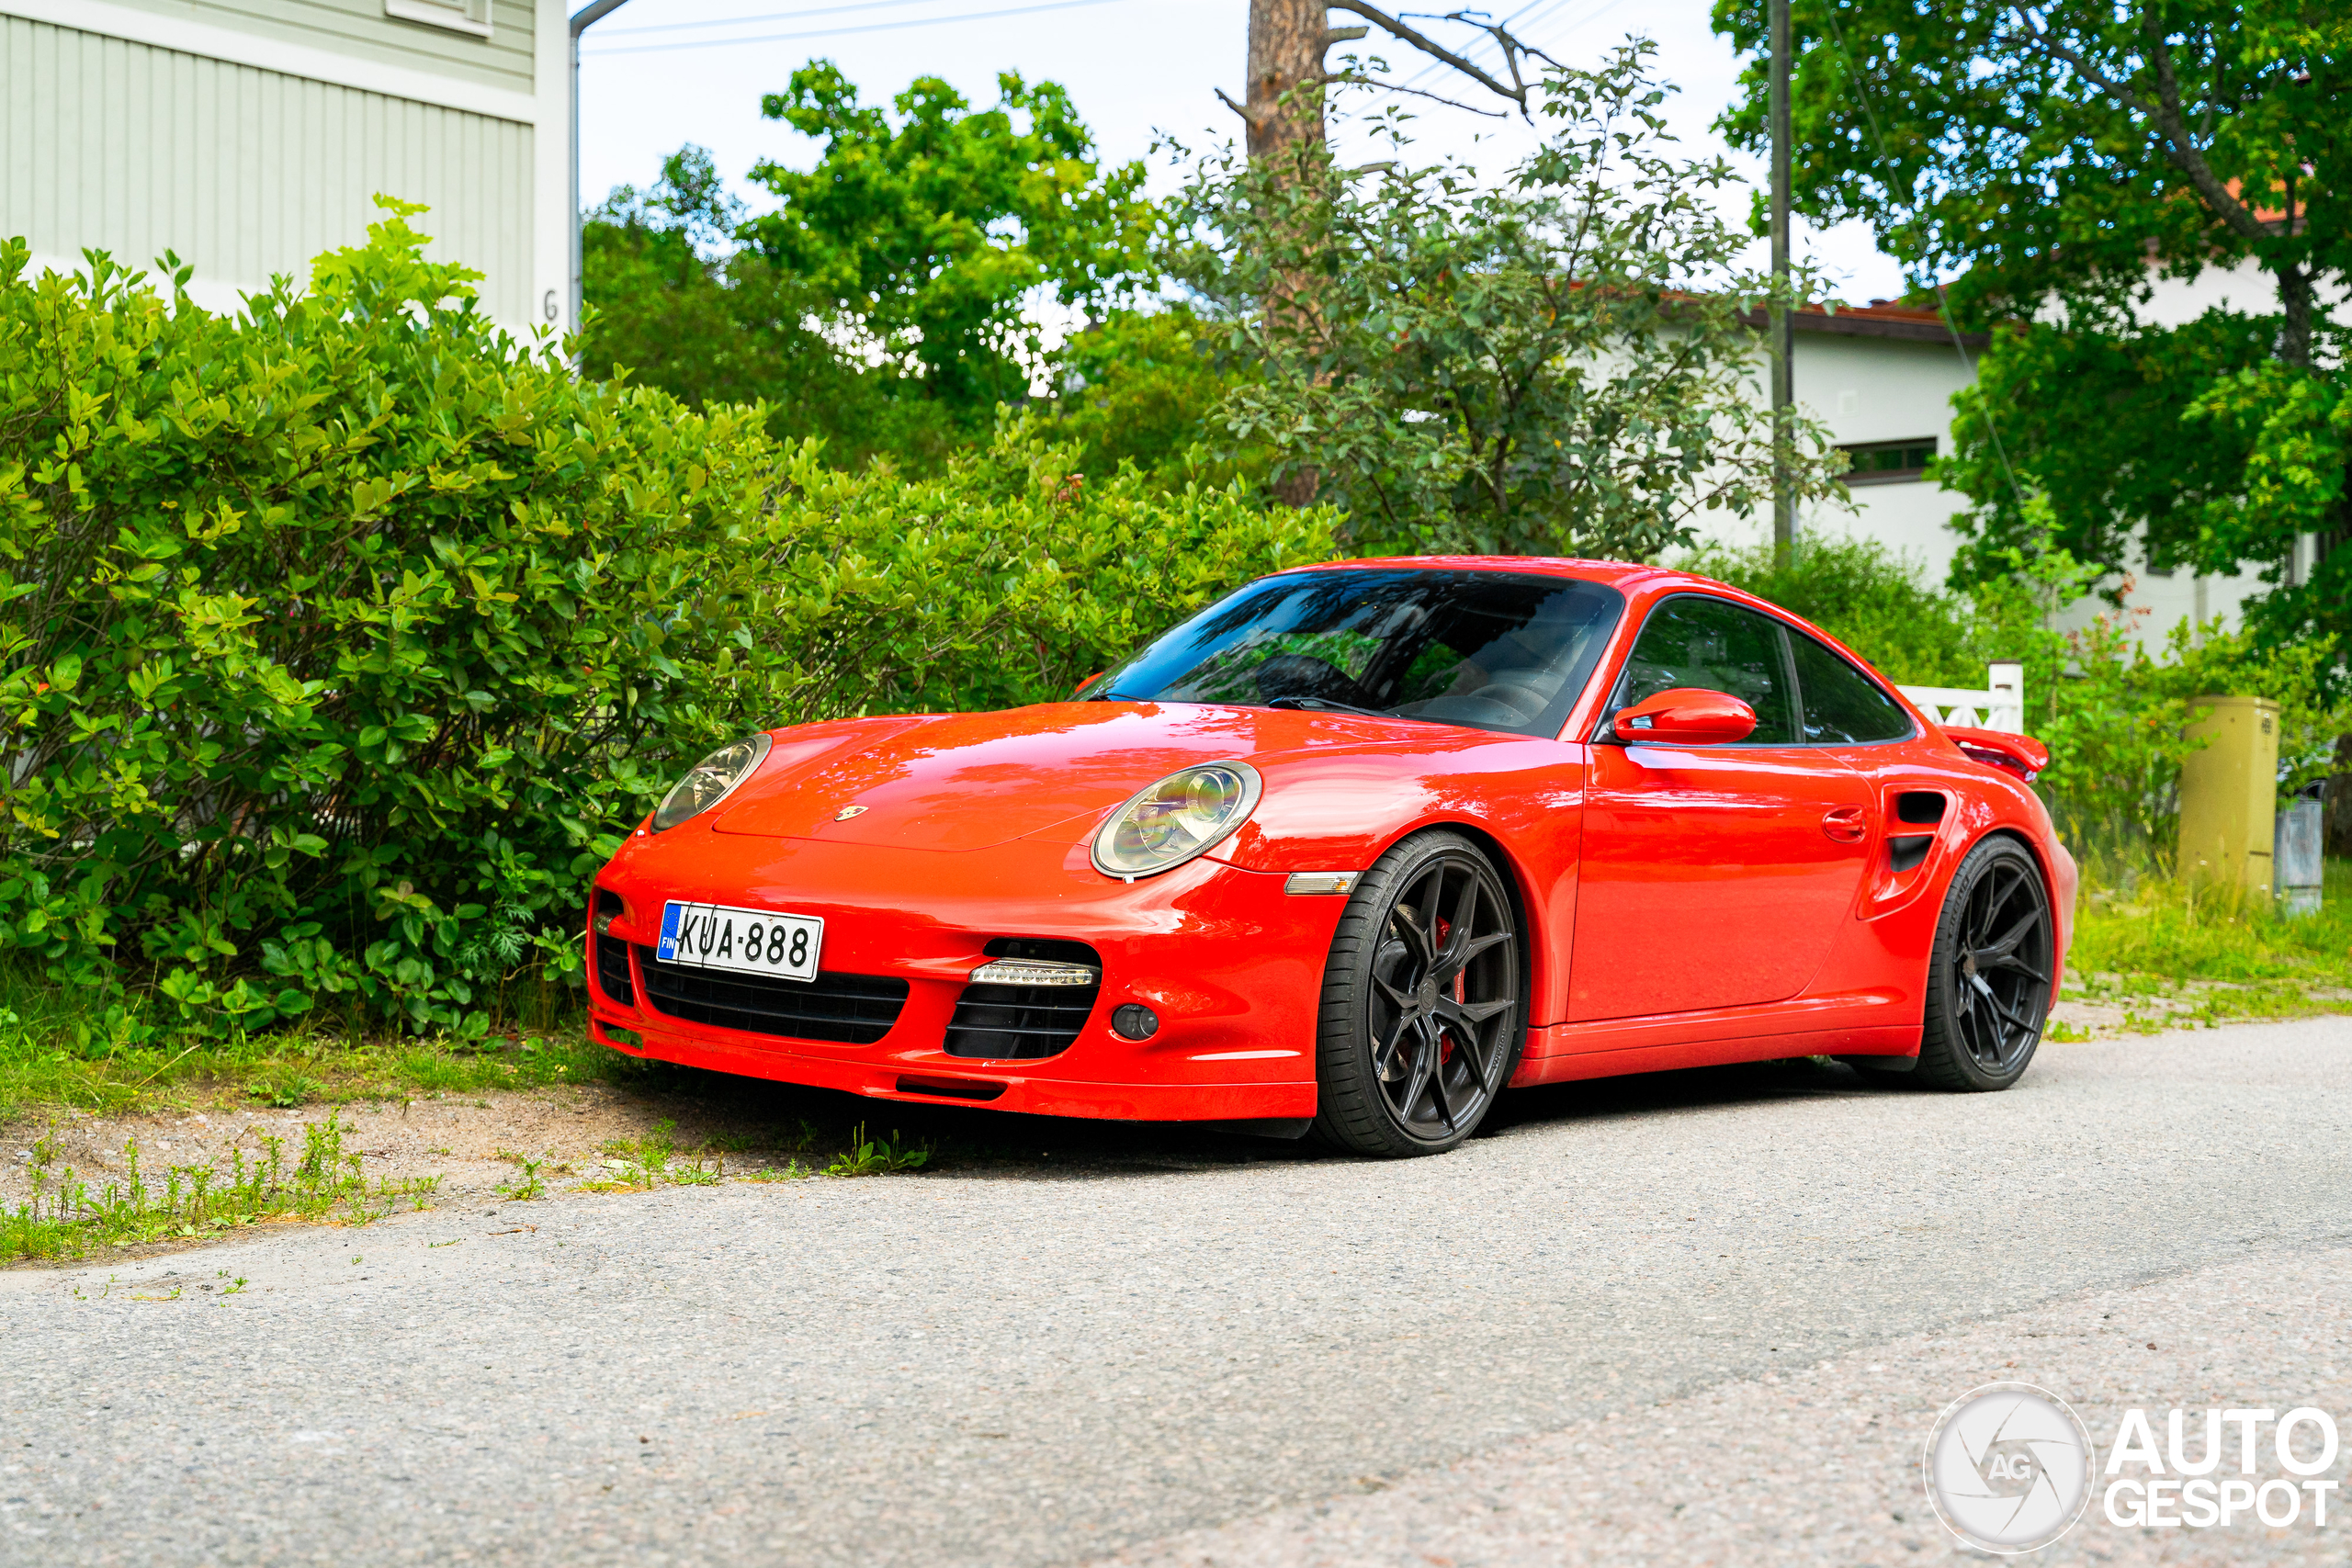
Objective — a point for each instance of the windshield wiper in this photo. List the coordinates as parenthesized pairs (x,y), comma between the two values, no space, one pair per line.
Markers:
(1324,705)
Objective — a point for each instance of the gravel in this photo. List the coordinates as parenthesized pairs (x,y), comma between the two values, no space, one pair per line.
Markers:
(1262,1359)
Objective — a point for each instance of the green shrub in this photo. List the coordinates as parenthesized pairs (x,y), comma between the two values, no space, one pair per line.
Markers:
(1881,606)
(344,637)
(2113,714)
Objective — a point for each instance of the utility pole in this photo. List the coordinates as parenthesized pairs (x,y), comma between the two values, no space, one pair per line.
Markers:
(1783,348)
(582,20)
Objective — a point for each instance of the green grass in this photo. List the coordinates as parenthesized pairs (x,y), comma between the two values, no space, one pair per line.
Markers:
(65,1217)
(58,1049)
(2223,952)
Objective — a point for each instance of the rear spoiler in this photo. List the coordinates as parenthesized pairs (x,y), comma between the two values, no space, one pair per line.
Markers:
(2018,754)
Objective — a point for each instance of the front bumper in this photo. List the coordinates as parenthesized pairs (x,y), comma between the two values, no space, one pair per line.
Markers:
(1230,964)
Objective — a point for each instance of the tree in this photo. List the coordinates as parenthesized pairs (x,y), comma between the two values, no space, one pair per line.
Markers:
(1290,41)
(674,305)
(929,235)
(1143,388)
(2053,161)
(1559,366)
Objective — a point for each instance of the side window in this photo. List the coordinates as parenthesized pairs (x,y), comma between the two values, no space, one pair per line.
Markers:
(1694,640)
(1841,704)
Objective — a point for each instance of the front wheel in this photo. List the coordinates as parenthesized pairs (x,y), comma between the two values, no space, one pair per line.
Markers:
(1988,979)
(1423,1017)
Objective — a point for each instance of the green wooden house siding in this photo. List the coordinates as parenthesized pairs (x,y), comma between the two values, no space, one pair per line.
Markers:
(136,147)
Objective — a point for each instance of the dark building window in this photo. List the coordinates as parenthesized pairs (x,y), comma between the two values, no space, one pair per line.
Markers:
(1888,462)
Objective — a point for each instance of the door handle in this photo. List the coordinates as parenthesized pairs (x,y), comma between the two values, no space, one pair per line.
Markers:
(1846,824)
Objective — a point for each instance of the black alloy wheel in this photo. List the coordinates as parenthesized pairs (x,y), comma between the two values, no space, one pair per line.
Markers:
(1422,1019)
(1988,980)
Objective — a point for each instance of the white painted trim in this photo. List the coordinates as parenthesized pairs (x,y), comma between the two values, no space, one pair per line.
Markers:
(551,171)
(439,14)
(270,54)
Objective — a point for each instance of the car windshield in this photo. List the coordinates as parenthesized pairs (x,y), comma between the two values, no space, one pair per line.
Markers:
(1490,650)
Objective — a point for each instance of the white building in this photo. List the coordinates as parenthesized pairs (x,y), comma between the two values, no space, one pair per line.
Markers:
(1881,377)
(248,136)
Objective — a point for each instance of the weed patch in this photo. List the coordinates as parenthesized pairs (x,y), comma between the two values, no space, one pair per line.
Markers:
(65,1216)
(879,1157)
(2171,955)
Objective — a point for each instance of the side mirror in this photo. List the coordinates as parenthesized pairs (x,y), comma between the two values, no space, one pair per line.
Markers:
(1686,716)
(1081,686)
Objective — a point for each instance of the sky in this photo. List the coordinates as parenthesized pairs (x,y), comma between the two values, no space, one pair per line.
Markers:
(1136,70)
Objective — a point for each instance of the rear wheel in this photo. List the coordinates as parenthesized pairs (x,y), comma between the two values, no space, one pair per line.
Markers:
(1988,980)
(1421,1018)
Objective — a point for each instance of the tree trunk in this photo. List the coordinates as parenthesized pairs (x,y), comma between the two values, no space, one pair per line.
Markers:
(1287,38)
(2295,301)
(2335,834)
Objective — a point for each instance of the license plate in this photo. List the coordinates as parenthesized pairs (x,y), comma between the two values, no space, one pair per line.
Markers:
(749,941)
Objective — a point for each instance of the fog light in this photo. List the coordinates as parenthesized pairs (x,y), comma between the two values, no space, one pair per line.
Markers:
(1135,1023)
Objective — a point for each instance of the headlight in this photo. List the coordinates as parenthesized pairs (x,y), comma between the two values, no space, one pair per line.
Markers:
(709,781)
(1181,815)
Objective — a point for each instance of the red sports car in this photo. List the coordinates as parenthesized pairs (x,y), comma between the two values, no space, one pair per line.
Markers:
(1351,851)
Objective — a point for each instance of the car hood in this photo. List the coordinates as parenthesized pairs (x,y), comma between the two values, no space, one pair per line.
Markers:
(969,781)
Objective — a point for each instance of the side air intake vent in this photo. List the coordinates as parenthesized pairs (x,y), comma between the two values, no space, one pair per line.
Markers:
(1051,993)
(612,952)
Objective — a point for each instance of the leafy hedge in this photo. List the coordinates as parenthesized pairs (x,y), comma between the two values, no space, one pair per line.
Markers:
(2113,714)
(341,640)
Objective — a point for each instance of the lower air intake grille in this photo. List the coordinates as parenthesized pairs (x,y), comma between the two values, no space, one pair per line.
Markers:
(1011,1022)
(612,970)
(847,1009)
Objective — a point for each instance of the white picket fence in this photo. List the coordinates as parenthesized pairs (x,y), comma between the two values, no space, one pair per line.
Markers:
(2000,706)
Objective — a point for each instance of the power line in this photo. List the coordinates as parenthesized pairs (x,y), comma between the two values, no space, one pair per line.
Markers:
(839,32)
(1434,66)
(754,21)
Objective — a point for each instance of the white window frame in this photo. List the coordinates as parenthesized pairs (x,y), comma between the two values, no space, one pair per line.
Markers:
(469,16)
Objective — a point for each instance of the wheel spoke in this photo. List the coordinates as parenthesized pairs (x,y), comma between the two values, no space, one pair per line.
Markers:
(2010,938)
(1397,999)
(1465,1019)
(1465,919)
(1385,1055)
(1423,1060)
(1460,951)
(1433,1054)
(1418,949)
(1470,1014)
(2011,961)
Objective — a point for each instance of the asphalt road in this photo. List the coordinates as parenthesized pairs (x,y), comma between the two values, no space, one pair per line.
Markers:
(1090,1351)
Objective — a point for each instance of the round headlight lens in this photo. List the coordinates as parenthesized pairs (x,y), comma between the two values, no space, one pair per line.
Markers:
(710,781)
(1181,815)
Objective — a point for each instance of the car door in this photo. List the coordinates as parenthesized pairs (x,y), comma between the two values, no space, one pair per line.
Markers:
(1716,875)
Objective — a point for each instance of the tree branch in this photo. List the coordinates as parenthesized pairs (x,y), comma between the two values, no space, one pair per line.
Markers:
(2180,148)
(1433,48)
(1359,80)
(1247,117)
(2229,208)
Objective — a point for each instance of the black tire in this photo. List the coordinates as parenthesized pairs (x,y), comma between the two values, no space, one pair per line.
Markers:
(1424,1006)
(1988,977)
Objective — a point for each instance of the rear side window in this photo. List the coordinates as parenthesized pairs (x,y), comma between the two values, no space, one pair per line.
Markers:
(1694,640)
(1842,705)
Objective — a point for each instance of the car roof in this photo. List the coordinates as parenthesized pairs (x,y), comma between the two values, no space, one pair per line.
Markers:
(1617,574)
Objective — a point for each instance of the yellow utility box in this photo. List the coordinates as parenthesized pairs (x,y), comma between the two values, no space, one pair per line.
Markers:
(2229,792)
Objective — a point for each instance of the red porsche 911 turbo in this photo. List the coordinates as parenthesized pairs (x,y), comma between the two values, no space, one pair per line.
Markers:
(1349,853)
